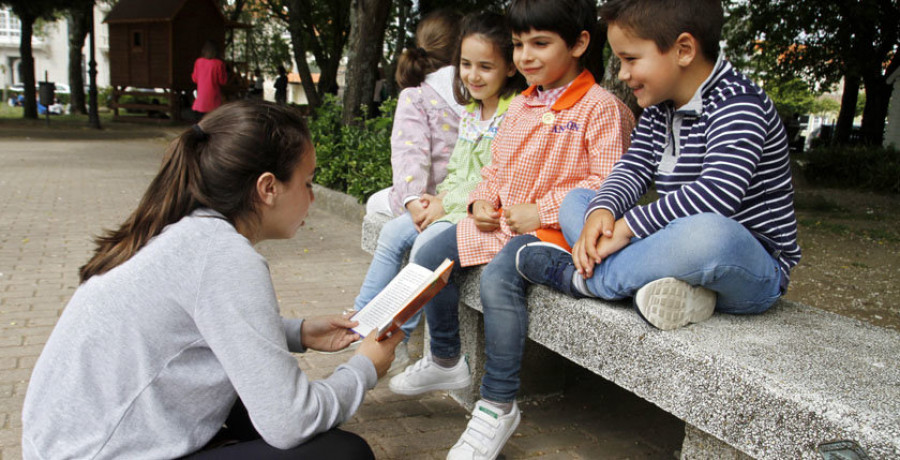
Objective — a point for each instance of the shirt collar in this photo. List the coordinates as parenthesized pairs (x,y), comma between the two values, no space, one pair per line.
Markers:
(502,104)
(576,90)
(695,105)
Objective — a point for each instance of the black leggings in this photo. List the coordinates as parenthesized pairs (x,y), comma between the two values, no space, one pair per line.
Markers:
(238,440)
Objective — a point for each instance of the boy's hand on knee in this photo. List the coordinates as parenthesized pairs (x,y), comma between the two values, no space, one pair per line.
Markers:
(621,237)
(599,224)
(487,219)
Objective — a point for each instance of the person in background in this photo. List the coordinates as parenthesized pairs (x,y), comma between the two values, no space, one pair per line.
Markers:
(281,82)
(209,75)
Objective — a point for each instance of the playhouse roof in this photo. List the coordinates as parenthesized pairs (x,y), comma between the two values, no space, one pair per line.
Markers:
(144,11)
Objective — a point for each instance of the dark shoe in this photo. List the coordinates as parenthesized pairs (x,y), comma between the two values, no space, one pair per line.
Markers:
(549,265)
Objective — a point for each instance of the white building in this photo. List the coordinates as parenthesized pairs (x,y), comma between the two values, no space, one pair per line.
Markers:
(892,129)
(51,50)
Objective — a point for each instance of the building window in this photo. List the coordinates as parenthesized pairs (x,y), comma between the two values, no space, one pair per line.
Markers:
(10,26)
(137,40)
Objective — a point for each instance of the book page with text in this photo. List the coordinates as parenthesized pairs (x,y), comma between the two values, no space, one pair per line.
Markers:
(391,299)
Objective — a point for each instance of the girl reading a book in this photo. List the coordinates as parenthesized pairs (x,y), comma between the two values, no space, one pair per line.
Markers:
(485,79)
(175,329)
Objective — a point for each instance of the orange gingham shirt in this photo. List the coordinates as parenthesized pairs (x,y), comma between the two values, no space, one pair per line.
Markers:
(541,153)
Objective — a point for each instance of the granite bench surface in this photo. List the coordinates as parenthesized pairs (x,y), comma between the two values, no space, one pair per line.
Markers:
(775,385)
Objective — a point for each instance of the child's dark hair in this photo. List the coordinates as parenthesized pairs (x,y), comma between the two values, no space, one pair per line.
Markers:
(214,164)
(494,28)
(566,18)
(209,50)
(436,38)
(662,21)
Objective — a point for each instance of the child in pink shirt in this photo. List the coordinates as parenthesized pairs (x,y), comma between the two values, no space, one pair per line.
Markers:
(209,75)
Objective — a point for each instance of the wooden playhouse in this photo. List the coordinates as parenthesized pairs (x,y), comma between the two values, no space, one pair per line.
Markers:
(152,49)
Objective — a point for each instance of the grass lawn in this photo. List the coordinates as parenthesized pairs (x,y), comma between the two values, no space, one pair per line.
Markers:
(8,113)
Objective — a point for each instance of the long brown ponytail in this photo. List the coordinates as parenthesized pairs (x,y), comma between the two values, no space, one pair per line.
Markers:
(436,40)
(214,164)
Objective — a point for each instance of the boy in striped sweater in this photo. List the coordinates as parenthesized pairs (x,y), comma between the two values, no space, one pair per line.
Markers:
(722,236)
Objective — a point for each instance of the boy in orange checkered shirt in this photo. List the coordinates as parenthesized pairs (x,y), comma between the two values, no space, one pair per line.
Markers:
(561,133)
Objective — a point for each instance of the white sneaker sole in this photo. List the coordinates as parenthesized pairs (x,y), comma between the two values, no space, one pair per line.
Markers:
(442,386)
(669,303)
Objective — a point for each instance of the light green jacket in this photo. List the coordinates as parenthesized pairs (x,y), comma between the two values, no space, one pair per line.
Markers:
(471,153)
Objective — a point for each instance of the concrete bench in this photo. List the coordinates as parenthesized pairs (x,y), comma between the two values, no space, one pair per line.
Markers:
(787,384)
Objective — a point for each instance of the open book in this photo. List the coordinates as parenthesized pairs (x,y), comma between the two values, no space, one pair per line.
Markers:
(406,294)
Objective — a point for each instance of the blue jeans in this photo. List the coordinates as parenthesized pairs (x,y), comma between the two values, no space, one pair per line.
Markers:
(707,250)
(397,236)
(505,316)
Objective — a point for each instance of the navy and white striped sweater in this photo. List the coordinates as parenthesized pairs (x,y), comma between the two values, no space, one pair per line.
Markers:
(733,160)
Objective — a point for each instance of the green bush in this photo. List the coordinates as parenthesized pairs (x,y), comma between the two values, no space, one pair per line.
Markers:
(353,159)
(856,167)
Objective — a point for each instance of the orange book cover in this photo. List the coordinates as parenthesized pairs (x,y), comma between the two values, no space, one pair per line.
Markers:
(391,308)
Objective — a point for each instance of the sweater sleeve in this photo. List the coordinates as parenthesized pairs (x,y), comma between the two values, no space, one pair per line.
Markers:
(410,146)
(632,174)
(237,314)
(735,136)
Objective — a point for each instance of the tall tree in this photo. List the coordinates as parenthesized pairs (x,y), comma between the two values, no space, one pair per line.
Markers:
(368,23)
(320,28)
(29,11)
(823,41)
(78,17)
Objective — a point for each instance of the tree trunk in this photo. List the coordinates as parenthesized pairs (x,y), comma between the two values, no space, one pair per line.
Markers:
(332,49)
(78,29)
(28,65)
(612,84)
(368,22)
(848,108)
(298,42)
(878,95)
(390,82)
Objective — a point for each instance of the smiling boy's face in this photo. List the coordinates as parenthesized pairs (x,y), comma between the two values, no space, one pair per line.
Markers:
(652,75)
(545,59)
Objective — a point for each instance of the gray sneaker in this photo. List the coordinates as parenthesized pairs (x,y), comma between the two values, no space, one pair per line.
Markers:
(669,303)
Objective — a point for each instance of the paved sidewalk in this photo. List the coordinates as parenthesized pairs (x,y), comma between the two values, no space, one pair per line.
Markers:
(55,195)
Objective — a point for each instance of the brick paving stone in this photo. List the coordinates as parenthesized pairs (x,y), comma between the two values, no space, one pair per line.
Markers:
(56,196)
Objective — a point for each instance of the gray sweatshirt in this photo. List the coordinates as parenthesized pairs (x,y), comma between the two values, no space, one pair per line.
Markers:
(148,358)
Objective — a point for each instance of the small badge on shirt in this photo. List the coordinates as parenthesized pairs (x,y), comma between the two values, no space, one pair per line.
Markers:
(548,118)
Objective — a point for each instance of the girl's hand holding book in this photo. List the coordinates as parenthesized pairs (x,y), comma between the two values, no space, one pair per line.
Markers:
(328,333)
(380,353)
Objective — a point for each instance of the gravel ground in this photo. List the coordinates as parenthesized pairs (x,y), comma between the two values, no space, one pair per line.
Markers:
(851,254)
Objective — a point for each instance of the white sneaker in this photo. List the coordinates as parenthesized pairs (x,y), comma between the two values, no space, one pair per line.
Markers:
(669,303)
(486,433)
(401,359)
(425,375)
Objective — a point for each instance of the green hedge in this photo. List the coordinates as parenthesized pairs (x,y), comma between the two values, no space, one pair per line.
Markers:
(856,167)
(353,159)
